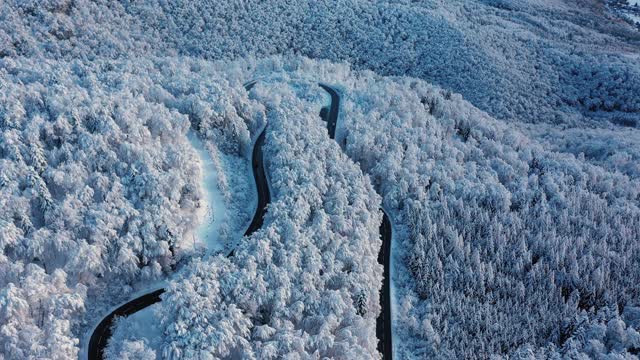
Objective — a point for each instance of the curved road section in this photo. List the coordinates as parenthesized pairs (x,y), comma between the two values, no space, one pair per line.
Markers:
(383,323)
(264,197)
(102,333)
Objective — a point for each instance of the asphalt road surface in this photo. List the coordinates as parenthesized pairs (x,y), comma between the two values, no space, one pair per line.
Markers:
(264,197)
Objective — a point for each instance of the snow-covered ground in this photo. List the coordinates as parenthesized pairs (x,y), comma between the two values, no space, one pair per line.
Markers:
(141,331)
(636,15)
(212,213)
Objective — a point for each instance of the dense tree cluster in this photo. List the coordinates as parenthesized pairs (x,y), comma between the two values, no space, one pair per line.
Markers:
(613,149)
(37,311)
(99,185)
(95,187)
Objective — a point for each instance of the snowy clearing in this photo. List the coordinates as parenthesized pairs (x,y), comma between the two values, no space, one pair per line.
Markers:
(212,212)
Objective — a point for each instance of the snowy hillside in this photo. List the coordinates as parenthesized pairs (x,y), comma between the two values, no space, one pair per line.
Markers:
(501,137)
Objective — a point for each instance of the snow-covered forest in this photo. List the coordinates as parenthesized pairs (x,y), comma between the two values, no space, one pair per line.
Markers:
(99,186)
(306,283)
(496,227)
(501,136)
(554,61)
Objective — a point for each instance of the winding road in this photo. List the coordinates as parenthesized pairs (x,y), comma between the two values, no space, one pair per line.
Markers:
(102,333)
(383,323)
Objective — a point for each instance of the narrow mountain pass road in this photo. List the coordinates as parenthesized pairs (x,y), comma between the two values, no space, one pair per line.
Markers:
(102,333)
(383,323)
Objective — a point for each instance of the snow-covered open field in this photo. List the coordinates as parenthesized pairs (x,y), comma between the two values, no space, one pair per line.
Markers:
(501,137)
